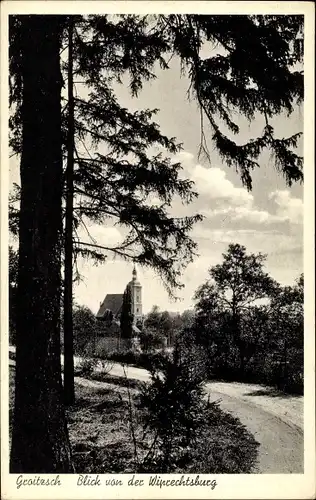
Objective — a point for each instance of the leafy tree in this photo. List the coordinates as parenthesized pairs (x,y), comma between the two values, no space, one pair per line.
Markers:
(287,336)
(166,326)
(245,337)
(150,340)
(255,321)
(40,441)
(127,317)
(165,323)
(84,328)
(235,286)
(187,317)
(152,319)
(156,328)
(211,329)
(181,323)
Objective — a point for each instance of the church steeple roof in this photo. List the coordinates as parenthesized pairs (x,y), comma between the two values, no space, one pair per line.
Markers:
(134,279)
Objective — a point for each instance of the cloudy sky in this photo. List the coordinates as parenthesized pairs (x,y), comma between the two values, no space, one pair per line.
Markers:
(267,220)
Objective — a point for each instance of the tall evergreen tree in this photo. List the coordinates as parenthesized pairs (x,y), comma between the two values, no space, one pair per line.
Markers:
(127,317)
(252,71)
(40,441)
(106,47)
(69,383)
(118,186)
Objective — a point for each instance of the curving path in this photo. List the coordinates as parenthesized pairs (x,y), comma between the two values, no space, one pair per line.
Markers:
(275,419)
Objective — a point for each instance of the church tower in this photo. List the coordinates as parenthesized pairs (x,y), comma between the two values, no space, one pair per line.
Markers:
(136,289)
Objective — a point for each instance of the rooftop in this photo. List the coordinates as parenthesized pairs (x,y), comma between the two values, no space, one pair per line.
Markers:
(112,302)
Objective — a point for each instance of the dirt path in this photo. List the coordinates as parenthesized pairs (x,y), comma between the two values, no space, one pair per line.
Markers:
(275,419)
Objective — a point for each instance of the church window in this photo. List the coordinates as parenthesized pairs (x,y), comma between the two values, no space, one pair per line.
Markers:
(137,310)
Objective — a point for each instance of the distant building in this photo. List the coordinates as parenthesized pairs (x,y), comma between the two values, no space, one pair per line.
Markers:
(111,307)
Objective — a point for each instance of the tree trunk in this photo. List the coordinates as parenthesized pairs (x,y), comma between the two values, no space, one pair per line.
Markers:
(40,442)
(69,388)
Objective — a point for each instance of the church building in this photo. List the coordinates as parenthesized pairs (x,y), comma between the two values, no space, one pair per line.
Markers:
(111,307)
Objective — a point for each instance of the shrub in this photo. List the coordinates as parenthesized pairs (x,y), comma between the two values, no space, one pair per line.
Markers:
(173,410)
(86,366)
(127,357)
(151,340)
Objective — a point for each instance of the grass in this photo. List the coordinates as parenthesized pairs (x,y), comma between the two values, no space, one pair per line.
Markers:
(99,430)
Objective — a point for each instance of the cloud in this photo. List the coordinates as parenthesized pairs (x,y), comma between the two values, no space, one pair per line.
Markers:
(212,182)
(287,208)
(245,214)
(220,198)
(282,250)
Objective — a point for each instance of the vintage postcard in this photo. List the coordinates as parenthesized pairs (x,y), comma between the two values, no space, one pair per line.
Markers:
(157,250)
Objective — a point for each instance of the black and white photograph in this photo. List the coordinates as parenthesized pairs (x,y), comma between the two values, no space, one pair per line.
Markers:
(155,238)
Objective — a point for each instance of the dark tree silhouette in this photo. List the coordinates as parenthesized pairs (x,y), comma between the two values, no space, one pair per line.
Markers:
(127,316)
(69,382)
(39,438)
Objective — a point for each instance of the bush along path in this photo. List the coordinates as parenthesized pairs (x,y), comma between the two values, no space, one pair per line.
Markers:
(275,419)
(99,428)
(122,426)
(172,426)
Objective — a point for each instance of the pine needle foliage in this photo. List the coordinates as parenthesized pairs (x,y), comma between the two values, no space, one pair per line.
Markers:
(123,160)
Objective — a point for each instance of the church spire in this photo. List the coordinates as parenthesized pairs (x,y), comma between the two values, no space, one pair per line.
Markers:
(134,273)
